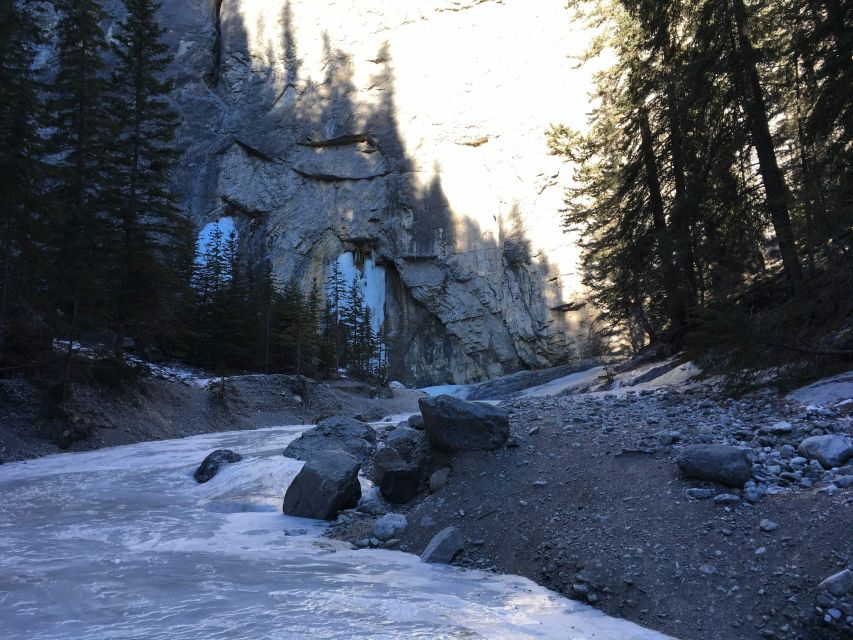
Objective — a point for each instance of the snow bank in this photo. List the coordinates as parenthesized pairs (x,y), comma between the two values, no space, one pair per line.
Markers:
(832,390)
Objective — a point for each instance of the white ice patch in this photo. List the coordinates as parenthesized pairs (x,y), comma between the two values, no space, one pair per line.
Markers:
(371,282)
(205,236)
(456,390)
(123,543)
(835,389)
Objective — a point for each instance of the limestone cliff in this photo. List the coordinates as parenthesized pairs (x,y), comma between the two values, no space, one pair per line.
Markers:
(409,130)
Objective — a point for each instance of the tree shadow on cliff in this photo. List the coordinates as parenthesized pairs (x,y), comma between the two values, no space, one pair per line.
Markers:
(461,303)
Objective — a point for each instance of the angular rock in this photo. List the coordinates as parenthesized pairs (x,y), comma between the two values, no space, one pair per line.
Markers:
(838,584)
(344,434)
(327,484)
(416,421)
(444,546)
(389,525)
(410,444)
(716,463)
(452,424)
(400,485)
(399,467)
(438,479)
(830,451)
(212,463)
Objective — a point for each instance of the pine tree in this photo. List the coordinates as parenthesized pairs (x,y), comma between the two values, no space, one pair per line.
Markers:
(22,228)
(79,142)
(143,156)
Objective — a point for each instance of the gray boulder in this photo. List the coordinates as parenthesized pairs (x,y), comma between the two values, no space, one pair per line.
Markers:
(452,424)
(345,434)
(416,421)
(211,464)
(830,451)
(838,584)
(389,525)
(716,463)
(399,467)
(444,546)
(438,479)
(327,484)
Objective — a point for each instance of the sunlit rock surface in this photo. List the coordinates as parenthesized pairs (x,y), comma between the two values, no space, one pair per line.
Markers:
(409,131)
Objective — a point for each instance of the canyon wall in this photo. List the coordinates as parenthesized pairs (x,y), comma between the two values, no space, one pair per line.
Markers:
(411,132)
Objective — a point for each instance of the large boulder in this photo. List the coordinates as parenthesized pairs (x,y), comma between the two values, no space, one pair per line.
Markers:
(452,424)
(400,466)
(211,464)
(327,484)
(444,546)
(715,462)
(830,451)
(345,434)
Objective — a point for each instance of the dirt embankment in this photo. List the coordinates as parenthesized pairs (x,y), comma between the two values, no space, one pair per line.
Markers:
(591,503)
(155,409)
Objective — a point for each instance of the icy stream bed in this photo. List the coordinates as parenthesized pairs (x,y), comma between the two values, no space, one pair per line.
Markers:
(122,543)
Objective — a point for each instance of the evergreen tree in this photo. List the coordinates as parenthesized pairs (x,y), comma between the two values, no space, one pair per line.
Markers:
(79,140)
(143,156)
(22,227)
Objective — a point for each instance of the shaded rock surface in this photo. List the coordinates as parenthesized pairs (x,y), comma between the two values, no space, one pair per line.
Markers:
(715,463)
(355,437)
(452,424)
(212,463)
(326,484)
(444,546)
(389,526)
(829,450)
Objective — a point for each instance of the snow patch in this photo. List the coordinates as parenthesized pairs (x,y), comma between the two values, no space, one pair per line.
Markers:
(832,390)
(460,391)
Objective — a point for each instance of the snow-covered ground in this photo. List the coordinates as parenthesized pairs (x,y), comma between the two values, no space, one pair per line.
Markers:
(122,543)
(591,380)
(833,390)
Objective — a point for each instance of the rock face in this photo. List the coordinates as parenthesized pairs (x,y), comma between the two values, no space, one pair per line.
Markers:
(830,451)
(444,546)
(400,466)
(715,463)
(326,484)
(452,424)
(346,434)
(211,464)
(409,132)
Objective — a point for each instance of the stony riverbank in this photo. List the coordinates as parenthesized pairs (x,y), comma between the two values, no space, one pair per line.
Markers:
(588,499)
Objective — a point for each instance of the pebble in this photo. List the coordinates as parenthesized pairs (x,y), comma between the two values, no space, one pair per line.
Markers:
(767,525)
(726,498)
(700,493)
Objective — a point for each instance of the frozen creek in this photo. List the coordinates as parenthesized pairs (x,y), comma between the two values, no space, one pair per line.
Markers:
(122,543)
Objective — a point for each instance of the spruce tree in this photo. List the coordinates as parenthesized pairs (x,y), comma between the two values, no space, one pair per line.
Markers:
(22,227)
(82,174)
(143,155)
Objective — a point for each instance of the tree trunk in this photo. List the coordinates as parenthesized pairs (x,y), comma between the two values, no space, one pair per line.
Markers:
(4,292)
(771,175)
(662,232)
